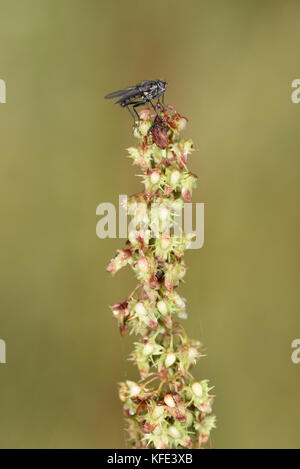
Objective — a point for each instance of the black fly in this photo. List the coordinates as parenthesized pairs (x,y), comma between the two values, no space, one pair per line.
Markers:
(140,94)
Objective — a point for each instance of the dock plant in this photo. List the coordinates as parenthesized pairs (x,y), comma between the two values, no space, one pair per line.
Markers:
(167,407)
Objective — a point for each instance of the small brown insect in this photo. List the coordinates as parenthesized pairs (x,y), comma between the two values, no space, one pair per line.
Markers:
(159,133)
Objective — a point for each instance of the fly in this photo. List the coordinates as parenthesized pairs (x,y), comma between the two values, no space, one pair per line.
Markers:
(139,95)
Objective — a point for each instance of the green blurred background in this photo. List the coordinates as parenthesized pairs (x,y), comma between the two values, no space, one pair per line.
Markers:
(229,65)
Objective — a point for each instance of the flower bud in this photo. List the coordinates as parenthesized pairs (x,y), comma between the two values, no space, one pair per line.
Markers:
(132,237)
(169,401)
(178,300)
(133,153)
(122,395)
(120,260)
(157,430)
(175,176)
(187,146)
(140,309)
(189,418)
(192,353)
(163,213)
(187,443)
(168,191)
(162,307)
(197,389)
(144,127)
(181,123)
(155,177)
(174,432)
(167,320)
(143,264)
(165,241)
(162,443)
(148,348)
(205,407)
(182,315)
(145,114)
(170,359)
(134,388)
(158,412)
(189,184)
(186,194)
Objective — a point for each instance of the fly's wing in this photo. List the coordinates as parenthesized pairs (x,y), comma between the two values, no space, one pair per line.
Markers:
(116,94)
(131,94)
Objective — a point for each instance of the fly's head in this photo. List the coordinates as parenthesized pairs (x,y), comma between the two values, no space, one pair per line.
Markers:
(162,86)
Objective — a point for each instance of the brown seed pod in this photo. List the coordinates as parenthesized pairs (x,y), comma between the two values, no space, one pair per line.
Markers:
(159,133)
(147,427)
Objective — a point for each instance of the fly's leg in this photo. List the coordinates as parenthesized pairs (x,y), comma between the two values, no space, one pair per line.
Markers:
(154,107)
(133,107)
(136,104)
(161,103)
(127,107)
(162,109)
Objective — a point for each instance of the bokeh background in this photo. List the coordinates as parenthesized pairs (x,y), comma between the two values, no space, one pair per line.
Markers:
(229,65)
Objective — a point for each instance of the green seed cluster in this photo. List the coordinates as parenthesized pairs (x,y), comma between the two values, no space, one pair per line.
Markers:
(167,408)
